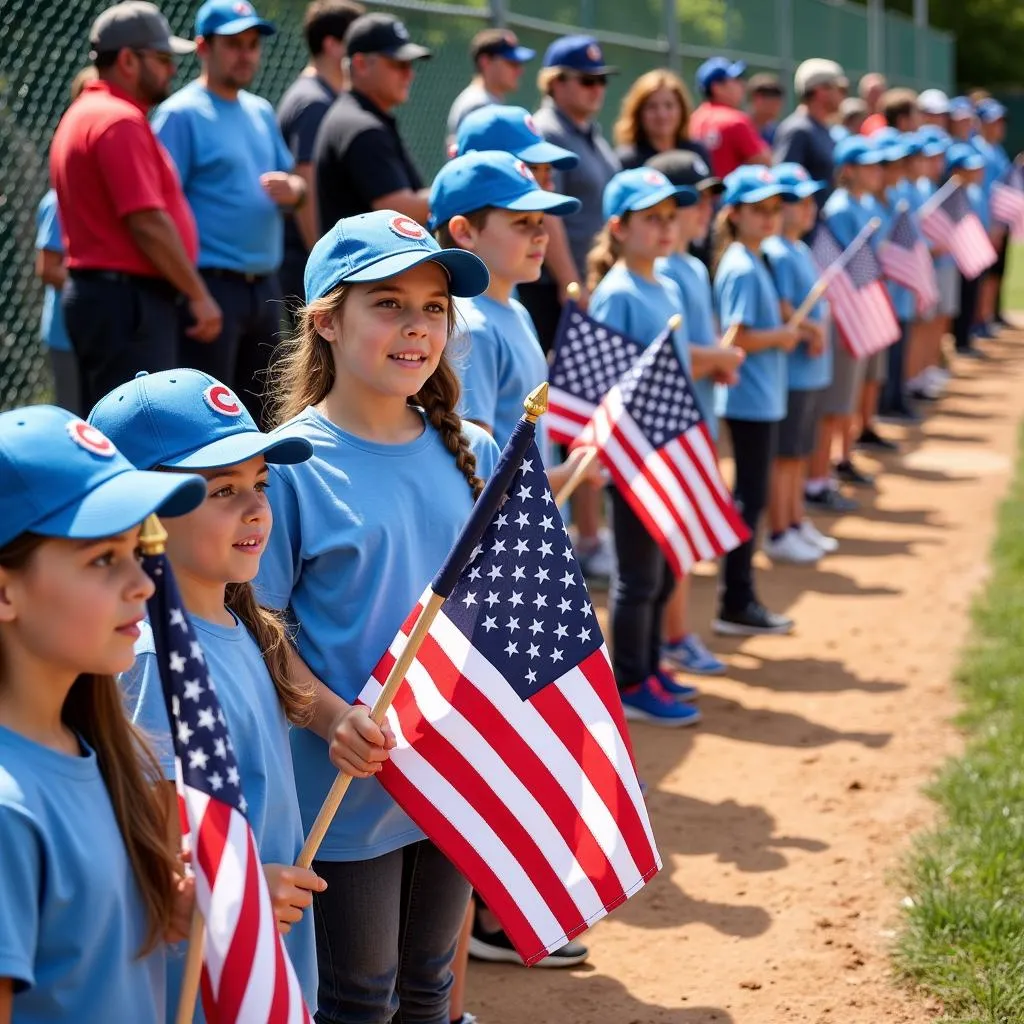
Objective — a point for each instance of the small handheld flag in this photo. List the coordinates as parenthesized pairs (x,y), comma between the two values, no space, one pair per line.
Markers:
(952,223)
(905,259)
(1007,201)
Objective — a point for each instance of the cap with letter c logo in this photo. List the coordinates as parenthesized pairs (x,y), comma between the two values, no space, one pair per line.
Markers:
(92,440)
(406,227)
(223,400)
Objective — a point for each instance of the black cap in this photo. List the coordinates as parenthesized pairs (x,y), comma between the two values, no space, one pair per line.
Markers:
(382,33)
(135,25)
(684,167)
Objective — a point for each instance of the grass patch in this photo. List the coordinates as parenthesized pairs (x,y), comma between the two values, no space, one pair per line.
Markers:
(963,938)
(1013,281)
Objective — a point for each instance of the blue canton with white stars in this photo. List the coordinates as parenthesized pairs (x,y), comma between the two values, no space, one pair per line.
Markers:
(903,232)
(590,357)
(521,601)
(198,727)
(658,395)
(863,267)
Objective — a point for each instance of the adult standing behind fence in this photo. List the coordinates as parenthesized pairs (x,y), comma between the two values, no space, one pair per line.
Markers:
(237,175)
(720,123)
(299,113)
(871,89)
(361,162)
(765,96)
(129,236)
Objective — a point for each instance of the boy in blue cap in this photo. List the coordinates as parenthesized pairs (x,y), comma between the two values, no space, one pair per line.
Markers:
(989,143)
(963,160)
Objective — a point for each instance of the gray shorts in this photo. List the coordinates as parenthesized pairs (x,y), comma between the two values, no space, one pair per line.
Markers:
(798,432)
(948,278)
(841,396)
(876,367)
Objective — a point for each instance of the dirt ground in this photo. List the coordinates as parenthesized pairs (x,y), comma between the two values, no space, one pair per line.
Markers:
(781,818)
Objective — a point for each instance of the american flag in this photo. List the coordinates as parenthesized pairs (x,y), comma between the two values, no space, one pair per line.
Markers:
(1007,201)
(650,433)
(247,975)
(952,224)
(512,750)
(905,259)
(860,303)
(589,358)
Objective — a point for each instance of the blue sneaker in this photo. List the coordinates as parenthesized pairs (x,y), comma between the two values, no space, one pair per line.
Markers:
(650,702)
(678,690)
(690,655)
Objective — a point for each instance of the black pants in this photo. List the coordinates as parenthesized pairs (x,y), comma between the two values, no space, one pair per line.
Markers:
(965,318)
(542,302)
(119,324)
(242,353)
(293,289)
(893,397)
(753,446)
(640,590)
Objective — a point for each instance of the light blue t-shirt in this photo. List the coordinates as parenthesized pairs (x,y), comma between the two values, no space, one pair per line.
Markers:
(795,273)
(691,278)
(221,147)
(71,916)
(639,307)
(979,204)
(745,294)
(360,530)
(51,322)
(997,163)
(846,215)
(500,362)
(259,734)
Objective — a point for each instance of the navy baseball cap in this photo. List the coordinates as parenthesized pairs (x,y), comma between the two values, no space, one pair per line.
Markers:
(962,156)
(991,110)
(229,18)
(382,244)
(795,177)
(490,178)
(714,69)
(500,42)
(378,32)
(65,478)
(578,53)
(857,149)
(683,167)
(510,130)
(641,188)
(753,183)
(186,419)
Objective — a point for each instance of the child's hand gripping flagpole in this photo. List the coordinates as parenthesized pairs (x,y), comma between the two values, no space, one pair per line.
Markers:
(583,466)
(826,278)
(536,405)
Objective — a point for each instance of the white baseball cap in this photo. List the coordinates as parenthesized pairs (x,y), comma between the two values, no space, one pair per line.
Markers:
(933,101)
(817,72)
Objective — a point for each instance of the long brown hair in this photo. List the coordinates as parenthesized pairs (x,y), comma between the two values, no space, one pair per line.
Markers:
(94,709)
(604,254)
(305,372)
(628,130)
(723,234)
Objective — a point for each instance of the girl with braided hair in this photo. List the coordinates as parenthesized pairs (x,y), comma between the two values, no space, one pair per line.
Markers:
(360,529)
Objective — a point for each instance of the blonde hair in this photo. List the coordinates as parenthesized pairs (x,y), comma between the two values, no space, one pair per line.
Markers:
(547,77)
(305,373)
(628,130)
(723,234)
(81,80)
(604,254)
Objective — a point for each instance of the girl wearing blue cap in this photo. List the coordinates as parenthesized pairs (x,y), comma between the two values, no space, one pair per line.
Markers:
(630,295)
(746,298)
(360,529)
(967,163)
(89,890)
(185,420)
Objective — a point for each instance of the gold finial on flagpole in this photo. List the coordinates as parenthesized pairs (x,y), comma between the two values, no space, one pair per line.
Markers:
(536,403)
(675,321)
(152,536)
(572,289)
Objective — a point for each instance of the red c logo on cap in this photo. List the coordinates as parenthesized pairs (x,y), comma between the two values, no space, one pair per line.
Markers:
(243,8)
(406,227)
(594,52)
(655,178)
(525,171)
(221,399)
(92,440)
(528,121)
(765,176)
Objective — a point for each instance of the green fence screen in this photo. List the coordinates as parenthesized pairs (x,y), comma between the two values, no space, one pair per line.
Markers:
(43,44)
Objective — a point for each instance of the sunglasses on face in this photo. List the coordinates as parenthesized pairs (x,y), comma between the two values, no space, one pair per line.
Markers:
(588,81)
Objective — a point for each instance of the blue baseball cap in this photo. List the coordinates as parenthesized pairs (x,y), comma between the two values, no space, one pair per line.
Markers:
(857,149)
(500,42)
(578,53)
(960,107)
(962,156)
(65,478)
(890,143)
(382,244)
(490,178)
(990,110)
(510,130)
(933,140)
(714,69)
(753,183)
(229,18)
(640,189)
(795,177)
(187,419)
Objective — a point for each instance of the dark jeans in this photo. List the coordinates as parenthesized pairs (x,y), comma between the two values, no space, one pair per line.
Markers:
(242,353)
(119,324)
(293,289)
(542,302)
(753,446)
(640,589)
(386,931)
(893,397)
(965,318)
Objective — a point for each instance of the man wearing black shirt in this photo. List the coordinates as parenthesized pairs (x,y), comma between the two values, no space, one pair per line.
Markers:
(361,161)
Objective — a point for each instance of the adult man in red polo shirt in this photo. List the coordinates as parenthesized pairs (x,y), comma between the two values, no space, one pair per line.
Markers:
(727,131)
(128,232)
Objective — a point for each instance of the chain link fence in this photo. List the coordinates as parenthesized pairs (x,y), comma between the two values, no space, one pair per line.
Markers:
(43,44)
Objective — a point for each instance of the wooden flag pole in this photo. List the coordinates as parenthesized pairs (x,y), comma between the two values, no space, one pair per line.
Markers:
(728,339)
(153,541)
(937,197)
(536,405)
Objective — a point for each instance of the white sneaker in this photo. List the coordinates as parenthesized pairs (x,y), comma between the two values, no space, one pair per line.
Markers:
(791,547)
(936,375)
(810,533)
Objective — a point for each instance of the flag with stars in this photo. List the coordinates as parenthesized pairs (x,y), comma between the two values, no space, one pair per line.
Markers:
(905,259)
(513,754)
(953,224)
(651,435)
(247,975)
(589,358)
(1007,201)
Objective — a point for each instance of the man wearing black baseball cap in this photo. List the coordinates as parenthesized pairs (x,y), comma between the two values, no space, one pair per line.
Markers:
(361,162)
